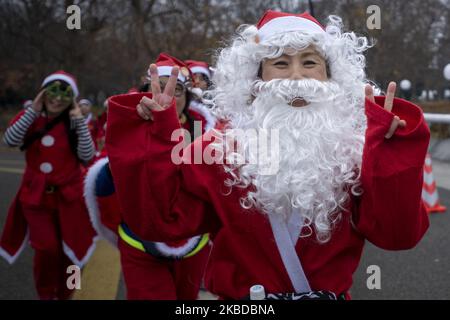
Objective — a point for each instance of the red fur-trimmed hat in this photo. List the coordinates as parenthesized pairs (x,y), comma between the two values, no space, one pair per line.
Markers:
(63,76)
(275,22)
(165,64)
(199,67)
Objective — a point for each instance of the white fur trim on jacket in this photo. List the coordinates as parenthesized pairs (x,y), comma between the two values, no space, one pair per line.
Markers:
(80,263)
(91,202)
(205,112)
(11,259)
(178,252)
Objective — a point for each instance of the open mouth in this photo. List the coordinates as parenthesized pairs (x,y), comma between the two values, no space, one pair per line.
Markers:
(298,102)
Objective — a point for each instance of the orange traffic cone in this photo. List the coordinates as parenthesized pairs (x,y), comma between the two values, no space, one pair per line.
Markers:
(430,194)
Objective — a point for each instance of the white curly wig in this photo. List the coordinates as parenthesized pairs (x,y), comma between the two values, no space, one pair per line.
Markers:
(318,191)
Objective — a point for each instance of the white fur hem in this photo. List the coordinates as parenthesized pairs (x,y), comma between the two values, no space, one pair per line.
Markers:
(91,202)
(11,259)
(80,263)
(203,110)
(178,251)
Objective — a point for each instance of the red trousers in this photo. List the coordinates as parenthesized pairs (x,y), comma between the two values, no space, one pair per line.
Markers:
(50,262)
(150,278)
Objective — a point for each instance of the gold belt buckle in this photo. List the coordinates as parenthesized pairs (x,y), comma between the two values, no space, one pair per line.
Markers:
(50,189)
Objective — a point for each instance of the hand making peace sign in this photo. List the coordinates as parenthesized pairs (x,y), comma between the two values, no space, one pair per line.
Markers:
(388,102)
(160,101)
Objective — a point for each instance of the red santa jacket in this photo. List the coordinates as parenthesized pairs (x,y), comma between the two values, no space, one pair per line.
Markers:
(50,161)
(189,199)
(101,198)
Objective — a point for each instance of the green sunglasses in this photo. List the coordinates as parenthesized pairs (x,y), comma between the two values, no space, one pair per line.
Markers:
(55,90)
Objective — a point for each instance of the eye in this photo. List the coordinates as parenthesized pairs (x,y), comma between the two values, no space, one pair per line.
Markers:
(309,62)
(281,63)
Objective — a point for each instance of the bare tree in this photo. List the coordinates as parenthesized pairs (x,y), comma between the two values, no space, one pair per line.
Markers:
(118,39)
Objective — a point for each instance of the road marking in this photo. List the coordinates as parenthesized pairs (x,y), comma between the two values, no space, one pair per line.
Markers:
(11,170)
(100,277)
(20,162)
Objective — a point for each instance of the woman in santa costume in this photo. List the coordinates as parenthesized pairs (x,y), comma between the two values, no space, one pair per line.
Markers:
(202,74)
(48,209)
(152,270)
(342,166)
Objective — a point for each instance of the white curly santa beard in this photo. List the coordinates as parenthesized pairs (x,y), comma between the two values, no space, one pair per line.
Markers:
(320,151)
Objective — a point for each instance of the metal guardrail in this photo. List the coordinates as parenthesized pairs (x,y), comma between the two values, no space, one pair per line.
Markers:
(437,117)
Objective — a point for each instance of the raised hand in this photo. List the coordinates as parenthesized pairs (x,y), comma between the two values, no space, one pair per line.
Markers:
(75,112)
(388,103)
(160,101)
(38,102)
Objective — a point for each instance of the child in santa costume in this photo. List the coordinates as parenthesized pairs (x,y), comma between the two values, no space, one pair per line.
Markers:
(341,166)
(152,270)
(48,209)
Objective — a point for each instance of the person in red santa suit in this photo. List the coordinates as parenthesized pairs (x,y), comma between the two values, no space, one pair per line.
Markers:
(101,126)
(342,166)
(48,209)
(91,122)
(152,270)
(202,74)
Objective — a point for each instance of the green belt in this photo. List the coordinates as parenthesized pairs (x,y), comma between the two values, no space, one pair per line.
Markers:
(160,249)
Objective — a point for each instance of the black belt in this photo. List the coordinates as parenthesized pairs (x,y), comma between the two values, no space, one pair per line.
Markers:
(156,249)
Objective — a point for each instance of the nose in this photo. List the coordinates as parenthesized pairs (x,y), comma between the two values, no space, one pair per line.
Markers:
(297,72)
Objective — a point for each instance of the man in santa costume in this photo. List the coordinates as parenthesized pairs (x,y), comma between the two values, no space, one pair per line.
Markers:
(48,210)
(343,166)
(152,270)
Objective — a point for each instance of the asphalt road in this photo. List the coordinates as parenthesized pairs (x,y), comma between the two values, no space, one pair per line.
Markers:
(420,273)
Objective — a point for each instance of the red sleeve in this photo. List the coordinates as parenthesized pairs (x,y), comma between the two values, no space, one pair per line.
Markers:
(148,183)
(17,117)
(390,212)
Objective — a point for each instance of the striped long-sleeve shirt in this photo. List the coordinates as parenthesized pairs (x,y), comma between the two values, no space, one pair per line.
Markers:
(15,134)
(86,147)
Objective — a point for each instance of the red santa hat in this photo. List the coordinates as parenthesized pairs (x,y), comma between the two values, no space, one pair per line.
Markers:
(274,22)
(166,62)
(133,90)
(27,104)
(199,67)
(63,76)
(86,102)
